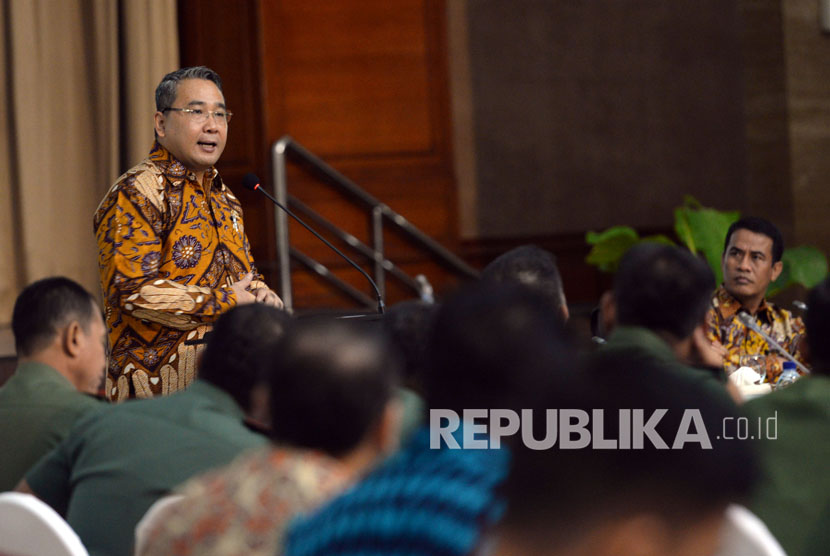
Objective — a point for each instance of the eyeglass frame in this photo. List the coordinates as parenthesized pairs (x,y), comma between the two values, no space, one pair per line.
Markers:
(210,113)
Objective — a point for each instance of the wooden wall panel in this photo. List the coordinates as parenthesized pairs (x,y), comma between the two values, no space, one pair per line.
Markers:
(359,83)
(808,91)
(225,37)
(362,84)
(227,41)
(767,140)
(580,104)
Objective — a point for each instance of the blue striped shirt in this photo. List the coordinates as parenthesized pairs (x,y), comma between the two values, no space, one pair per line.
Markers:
(421,502)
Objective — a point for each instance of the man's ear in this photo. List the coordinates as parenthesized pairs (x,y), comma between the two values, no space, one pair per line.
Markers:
(71,339)
(159,123)
(776,270)
(566,314)
(388,432)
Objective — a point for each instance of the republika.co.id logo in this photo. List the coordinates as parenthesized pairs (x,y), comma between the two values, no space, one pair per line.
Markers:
(574,429)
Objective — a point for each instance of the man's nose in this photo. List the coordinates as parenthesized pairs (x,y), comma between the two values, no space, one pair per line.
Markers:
(743,262)
(212,122)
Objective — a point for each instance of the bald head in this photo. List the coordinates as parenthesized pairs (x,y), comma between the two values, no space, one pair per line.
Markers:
(330,383)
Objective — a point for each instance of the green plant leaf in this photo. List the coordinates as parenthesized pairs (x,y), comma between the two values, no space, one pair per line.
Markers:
(683,230)
(689,201)
(703,230)
(609,246)
(613,232)
(803,265)
(658,238)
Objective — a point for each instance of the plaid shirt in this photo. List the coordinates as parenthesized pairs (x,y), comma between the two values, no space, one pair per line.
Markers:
(421,502)
(245,507)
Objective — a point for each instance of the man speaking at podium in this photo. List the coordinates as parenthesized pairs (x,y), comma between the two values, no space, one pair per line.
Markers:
(172,249)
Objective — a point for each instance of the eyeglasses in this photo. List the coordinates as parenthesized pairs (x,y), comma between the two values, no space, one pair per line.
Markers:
(223,117)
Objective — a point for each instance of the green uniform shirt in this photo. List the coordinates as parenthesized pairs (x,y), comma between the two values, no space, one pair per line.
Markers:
(793,498)
(646,342)
(38,406)
(115,463)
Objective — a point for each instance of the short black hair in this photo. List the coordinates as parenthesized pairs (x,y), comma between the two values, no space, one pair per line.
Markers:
(46,306)
(758,226)
(407,325)
(168,87)
(494,346)
(590,485)
(235,359)
(331,382)
(662,288)
(530,266)
(817,322)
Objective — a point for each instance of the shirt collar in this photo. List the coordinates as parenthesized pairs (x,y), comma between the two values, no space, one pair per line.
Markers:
(36,371)
(728,305)
(217,397)
(175,170)
(626,336)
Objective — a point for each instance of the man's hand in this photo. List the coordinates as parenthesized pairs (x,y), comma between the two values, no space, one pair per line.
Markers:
(269,297)
(708,353)
(240,288)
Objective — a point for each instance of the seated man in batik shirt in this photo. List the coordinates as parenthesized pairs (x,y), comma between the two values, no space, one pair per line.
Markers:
(751,260)
(172,250)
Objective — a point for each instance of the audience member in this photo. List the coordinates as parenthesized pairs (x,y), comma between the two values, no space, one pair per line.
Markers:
(533,267)
(751,261)
(407,326)
(61,344)
(115,463)
(611,500)
(332,389)
(491,347)
(660,298)
(793,498)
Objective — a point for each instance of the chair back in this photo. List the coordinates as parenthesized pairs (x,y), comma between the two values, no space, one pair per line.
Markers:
(29,527)
(744,534)
(149,522)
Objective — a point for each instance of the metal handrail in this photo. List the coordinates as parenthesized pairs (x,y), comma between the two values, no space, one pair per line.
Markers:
(380,214)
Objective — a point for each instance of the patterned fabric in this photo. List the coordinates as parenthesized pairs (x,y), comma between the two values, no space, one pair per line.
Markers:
(168,249)
(244,508)
(723,325)
(422,502)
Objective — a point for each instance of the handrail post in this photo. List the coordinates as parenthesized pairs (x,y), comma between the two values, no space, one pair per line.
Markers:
(281,221)
(377,244)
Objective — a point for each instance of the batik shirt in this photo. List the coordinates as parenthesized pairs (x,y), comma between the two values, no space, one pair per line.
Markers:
(245,507)
(724,326)
(168,250)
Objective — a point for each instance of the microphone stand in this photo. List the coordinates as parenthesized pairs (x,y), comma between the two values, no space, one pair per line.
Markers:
(750,323)
(256,187)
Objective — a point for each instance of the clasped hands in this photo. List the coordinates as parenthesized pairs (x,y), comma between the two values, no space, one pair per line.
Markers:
(259,295)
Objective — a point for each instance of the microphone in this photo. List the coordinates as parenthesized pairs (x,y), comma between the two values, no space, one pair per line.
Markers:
(749,322)
(251,181)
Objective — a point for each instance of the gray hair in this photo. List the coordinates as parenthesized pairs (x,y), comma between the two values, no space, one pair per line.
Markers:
(167,89)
